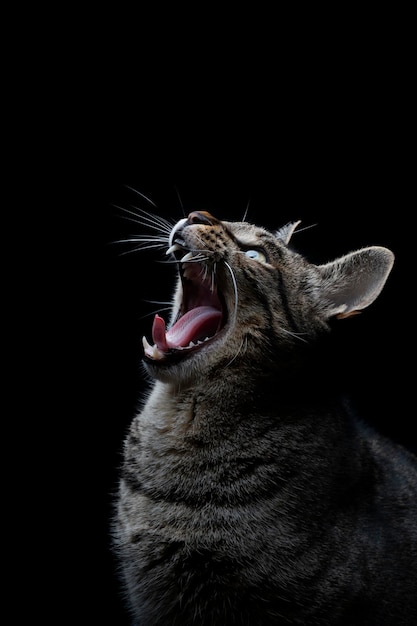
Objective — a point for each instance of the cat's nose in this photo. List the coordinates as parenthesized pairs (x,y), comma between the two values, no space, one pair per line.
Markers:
(201,217)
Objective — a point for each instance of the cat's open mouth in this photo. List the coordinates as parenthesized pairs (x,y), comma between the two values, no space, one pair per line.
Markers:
(200,318)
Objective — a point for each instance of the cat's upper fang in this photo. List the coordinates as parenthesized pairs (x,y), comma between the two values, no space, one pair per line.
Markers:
(174,248)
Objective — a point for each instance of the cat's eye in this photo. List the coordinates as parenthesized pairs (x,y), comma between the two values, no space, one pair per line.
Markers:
(257,255)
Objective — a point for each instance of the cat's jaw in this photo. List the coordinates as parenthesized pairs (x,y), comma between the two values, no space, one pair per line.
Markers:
(199,320)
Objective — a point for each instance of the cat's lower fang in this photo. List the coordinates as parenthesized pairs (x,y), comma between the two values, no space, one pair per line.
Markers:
(187,257)
(152,352)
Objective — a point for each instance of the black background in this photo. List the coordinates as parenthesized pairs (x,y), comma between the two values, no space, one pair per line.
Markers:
(309,116)
(325,138)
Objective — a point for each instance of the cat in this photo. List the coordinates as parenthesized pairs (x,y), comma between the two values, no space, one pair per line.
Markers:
(251,494)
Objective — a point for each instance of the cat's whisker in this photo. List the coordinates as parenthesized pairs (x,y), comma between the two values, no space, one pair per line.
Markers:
(142,195)
(238,351)
(141,239)
(300,230)
(235,291)
(245,215)
(127,217)
(198,258)
(170,261)
(204,271)
(213,277)
(147,219)
(292,334)
(141,247)
(180,201)
(203,250)
(159,310)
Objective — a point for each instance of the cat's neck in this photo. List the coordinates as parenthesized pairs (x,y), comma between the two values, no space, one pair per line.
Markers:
(224,400)
(203,422)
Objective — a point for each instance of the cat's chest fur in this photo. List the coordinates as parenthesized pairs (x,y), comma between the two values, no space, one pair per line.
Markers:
(249,493)
(229,496)
(257,521)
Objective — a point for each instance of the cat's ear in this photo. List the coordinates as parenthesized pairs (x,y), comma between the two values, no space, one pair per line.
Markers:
(285,232)
(352,282)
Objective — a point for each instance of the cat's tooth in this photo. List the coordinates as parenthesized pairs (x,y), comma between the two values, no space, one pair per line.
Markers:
(173,249)
(147,347)
(187,257)
(152,351)
(156,353)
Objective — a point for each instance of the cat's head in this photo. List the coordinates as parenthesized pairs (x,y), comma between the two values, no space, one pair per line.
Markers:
(244,297)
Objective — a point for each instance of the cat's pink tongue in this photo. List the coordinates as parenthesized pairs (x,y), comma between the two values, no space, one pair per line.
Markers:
(198,323)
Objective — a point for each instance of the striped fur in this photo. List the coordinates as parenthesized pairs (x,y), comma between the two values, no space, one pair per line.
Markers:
(250,493)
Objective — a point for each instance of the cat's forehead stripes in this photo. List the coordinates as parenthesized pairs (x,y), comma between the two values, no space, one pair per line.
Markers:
(249,235)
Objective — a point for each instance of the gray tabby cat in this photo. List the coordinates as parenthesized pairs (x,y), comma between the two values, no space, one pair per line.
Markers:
(250,493)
